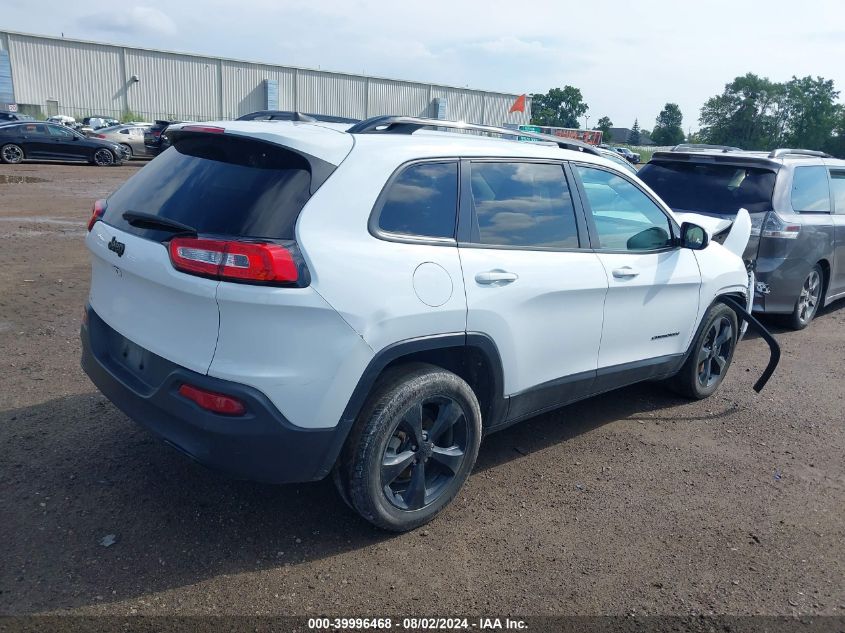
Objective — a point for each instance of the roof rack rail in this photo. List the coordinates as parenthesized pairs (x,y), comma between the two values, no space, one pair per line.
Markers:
(697,147)
(798,152)
(410,124)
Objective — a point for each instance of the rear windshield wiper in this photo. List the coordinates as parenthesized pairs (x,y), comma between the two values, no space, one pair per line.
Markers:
(143,220)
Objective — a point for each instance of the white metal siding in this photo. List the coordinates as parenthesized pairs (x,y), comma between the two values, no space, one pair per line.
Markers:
(92,78)
(398,97)
(331,93)
(75,74)
(243,87)
(174,85)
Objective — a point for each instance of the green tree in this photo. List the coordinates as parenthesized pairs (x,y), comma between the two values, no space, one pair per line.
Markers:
(748,114)
(604,125)
(811,112)
(667,127)
(634,134)
(836,143)
(559,107)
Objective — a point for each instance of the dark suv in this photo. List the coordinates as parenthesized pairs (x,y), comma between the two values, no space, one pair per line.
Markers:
(796,199)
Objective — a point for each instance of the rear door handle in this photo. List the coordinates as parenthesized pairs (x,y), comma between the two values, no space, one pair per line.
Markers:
(499,277)
(626,272)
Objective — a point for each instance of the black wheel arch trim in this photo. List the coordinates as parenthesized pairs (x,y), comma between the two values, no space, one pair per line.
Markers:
(406,348)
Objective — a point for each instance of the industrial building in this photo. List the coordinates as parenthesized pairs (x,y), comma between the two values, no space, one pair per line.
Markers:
(44,76)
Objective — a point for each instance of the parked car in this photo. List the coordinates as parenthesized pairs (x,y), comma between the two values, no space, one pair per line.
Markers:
(796,199)
(303,300)
(288,115)
(24,140)
(155,140)
(129,137)
(616,158)
(631,157)
(15,116)
(99,121)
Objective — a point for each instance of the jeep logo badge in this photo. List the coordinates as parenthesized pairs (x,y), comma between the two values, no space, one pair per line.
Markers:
(117,247)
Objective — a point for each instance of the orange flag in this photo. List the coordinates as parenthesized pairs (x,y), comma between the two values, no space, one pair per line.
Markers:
(518,105)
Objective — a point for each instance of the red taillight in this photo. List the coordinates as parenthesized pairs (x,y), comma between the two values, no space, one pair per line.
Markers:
(226,259)
(213,401)
(203,128)
(97,135)
(156,133)
(96,213)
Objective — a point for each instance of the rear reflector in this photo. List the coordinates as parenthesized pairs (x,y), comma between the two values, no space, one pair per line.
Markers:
(233,260)
(213,401)
(203,128)
(96,213)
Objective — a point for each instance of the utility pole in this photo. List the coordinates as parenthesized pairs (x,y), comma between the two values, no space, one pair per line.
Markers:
(586,121)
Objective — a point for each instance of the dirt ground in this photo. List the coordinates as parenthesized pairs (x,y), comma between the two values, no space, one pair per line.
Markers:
(635,502)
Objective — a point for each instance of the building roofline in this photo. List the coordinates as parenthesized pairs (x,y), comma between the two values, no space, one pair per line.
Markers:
(257,63)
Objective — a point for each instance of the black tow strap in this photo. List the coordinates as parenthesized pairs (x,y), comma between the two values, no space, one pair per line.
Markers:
(753,323)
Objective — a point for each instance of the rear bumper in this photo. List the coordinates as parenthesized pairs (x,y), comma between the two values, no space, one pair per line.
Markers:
(260,445)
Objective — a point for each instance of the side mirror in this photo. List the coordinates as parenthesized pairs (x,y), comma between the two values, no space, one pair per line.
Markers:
(693,237)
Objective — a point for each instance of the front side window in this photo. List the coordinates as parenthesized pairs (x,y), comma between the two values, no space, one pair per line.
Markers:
(523,204)
(626,219)
(422,201)
(809,189)
(837,185)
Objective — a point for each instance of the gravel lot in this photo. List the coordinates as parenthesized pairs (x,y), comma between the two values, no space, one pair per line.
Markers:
(635,502)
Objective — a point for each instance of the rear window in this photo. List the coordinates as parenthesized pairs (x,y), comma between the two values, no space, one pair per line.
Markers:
(709,188)
(218,185)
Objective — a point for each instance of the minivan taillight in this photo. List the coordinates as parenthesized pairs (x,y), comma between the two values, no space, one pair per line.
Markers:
(776,226)
(233,260)
(96,213)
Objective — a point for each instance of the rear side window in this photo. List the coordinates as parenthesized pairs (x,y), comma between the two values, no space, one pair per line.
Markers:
(219,185)
(422,201)
(711,188)
(837,184)
(810,191)
(522,204)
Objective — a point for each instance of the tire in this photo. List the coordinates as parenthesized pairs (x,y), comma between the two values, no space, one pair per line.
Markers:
(104,158)
(808,302)
(128,149)
(12,154)
(707,365)
(412,448)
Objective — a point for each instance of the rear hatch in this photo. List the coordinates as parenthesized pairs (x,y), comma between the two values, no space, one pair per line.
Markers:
(206,209)
(713,187)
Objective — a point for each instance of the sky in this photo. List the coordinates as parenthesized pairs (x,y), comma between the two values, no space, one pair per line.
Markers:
(628,58)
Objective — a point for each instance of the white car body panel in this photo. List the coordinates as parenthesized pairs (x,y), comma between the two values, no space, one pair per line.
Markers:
(547,323)
(149,302)
(740,232)
(653,311)
(292,346)
(370,281)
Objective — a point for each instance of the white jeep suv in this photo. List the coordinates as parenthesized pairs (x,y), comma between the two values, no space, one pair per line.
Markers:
(288,300)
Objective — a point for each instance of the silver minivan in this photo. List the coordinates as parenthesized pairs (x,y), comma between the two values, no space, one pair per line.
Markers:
(796,199)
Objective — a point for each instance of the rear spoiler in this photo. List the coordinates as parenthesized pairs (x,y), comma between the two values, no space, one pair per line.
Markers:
(320,169)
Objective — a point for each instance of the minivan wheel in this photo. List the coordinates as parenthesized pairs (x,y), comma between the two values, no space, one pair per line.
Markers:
(103,158)
(808,301)
(12,154)
(413,447)
(710,356)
